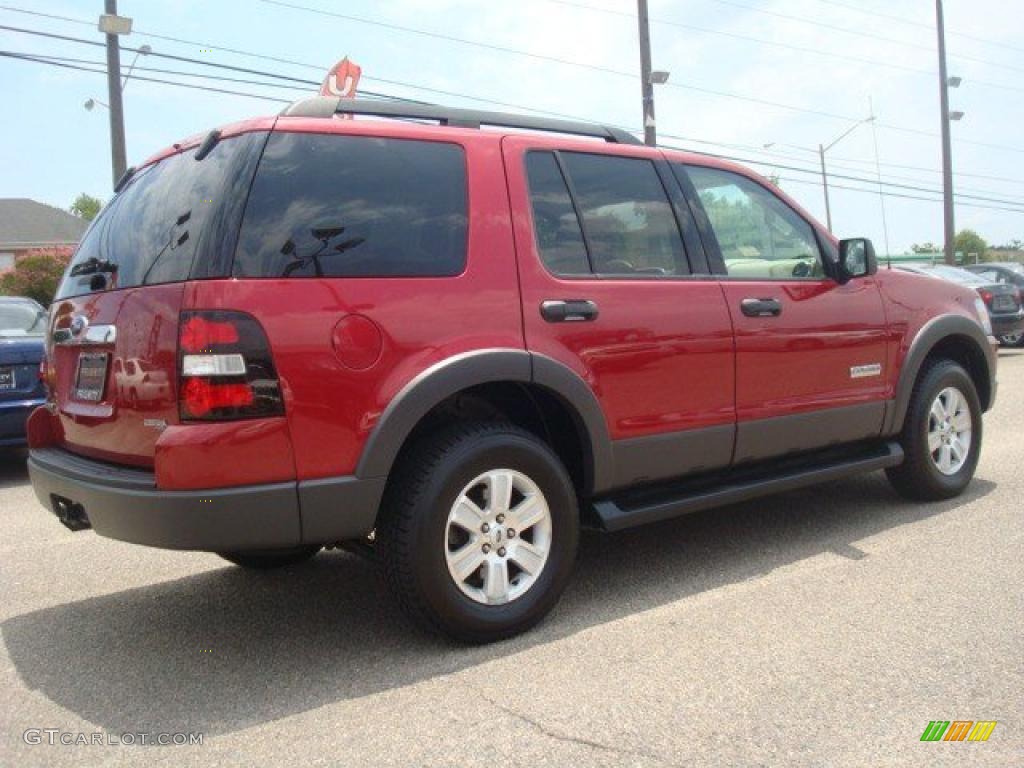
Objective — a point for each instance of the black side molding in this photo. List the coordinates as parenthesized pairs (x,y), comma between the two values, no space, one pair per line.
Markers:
(650,506)
(935,331)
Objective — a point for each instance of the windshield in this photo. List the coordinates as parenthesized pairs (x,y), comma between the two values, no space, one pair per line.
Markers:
(21,319)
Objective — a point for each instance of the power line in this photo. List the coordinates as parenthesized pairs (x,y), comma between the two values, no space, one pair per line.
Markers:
(779,44)
(746,38)
(187,59)
(99,71)
(620,73)
(910,167)
(43,58)
(919,24)
(451,93)
(857,32)
(606,70)
(813,172)
(6,54)
(841,165)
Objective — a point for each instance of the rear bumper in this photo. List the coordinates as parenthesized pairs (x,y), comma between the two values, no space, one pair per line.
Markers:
(124,503)
(13,415)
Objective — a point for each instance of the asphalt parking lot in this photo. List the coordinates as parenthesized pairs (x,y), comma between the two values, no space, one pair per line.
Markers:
(822,627)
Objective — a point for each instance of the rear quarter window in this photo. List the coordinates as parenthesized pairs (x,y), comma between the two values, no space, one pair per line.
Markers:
(324,205)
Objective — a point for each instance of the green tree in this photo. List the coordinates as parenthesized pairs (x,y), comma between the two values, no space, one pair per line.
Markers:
(968,241)
(86,206)
(36,276)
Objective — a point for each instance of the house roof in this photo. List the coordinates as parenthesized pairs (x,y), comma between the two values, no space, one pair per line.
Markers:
(24,221)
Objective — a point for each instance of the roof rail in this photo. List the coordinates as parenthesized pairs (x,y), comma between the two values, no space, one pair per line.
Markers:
(327,106)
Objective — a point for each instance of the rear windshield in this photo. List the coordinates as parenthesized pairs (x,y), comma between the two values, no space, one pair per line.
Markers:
(152,230)
(325,205)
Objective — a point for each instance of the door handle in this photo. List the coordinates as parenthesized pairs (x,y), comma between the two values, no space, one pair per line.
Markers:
(568,311)
(761,307)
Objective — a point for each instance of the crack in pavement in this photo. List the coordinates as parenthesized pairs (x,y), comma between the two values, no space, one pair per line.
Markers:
(568,738)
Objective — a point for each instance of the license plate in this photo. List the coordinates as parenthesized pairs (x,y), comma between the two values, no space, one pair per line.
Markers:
(1003,302)
(91,378)
(7,379)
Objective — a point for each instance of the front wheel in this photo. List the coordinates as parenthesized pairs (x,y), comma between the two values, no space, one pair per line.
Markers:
(941,436)
(478,531)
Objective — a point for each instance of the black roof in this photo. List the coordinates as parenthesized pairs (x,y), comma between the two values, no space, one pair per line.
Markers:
(26,221)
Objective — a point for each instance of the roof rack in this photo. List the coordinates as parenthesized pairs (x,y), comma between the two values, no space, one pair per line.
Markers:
(327,106)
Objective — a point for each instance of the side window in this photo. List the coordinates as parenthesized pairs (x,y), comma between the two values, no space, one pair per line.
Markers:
(559,238)
(628,220)
(324,205)
(759,235)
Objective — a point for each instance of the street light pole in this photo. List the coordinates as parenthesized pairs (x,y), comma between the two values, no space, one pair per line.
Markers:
(822,149)
(646,85)
(142,50)
(947,148)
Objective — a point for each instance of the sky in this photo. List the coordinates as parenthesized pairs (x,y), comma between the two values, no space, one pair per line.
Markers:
(765,81)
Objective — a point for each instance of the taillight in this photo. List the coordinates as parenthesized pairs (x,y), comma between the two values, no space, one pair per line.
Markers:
(47,375)
(986,296)
(225,368)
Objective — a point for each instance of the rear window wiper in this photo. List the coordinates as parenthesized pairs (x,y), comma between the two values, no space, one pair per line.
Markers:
(92,266)
(211,140)
(125,178)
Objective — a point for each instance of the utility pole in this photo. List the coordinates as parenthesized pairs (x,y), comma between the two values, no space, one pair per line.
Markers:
(118,159)
(947,149)
(646,85)
(824,183)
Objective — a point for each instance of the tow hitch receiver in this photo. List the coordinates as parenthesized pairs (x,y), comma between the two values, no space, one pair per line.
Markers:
(72,515)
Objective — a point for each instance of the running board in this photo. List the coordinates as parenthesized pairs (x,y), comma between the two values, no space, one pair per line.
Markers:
(651,505)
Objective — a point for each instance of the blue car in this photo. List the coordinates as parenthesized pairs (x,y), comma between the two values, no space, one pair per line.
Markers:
(22,329)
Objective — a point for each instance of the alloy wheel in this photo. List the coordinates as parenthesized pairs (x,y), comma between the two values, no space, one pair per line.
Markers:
(498,536)
(949,431)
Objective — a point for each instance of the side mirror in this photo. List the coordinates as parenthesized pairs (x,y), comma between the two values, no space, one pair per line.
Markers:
(856,259)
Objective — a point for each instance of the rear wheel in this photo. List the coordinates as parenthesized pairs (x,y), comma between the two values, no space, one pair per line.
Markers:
(941,436)
(266,559)
(478,531)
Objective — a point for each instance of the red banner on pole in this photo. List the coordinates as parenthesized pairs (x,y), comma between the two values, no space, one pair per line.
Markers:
(342,80)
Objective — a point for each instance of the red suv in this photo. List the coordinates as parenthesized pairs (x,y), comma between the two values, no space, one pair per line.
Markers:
(452,347)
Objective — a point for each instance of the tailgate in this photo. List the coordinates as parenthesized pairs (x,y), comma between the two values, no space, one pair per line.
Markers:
(114,366)
(114,325)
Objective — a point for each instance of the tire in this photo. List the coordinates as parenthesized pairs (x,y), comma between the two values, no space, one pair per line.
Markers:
(265,560)
(920,477)
(422,546)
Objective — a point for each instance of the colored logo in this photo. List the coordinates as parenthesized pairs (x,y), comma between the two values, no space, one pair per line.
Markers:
(958,730)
